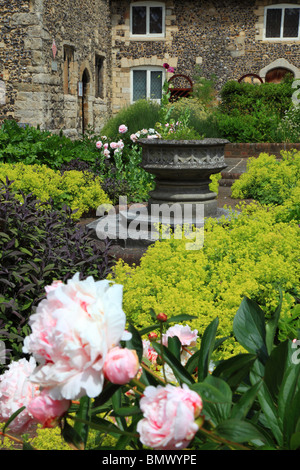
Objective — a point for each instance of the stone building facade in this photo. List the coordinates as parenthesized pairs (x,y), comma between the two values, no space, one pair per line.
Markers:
(225,38)
(55,63)
(69,65)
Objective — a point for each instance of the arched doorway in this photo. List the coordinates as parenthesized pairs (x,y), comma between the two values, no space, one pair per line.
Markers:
(277,75)
(85,102)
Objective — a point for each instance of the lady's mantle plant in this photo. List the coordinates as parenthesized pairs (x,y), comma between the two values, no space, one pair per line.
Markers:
(87,371)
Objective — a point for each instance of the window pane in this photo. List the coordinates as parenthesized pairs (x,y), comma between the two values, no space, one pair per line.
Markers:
(273,23)
(139,85)
(291,23)
(139,20)
(156,85)
(156,14)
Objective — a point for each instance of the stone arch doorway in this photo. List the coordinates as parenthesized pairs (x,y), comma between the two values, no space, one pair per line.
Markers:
(85,100)
(277,70)
(277,75)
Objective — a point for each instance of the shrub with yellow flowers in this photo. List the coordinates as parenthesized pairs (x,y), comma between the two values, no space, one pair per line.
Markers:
(79,190)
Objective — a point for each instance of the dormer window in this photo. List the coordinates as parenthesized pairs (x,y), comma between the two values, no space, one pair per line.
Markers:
(147,19)
(282,22)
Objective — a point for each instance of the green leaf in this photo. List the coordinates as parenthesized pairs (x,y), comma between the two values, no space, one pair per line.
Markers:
(295,441)
(235,369)
(240,431)
(71,436)
(106,394)
(271,326)
(83,413)
(180,318)
(179,371)
(174,346)
(243,406)
(269,410)
(275,368)
(216,396)
(206,349)
(249,328)
(12,417)
(135,342)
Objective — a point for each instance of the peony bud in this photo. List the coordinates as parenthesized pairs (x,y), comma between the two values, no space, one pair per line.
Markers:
(46,410)
(121,365)
(152,336)
(162,317)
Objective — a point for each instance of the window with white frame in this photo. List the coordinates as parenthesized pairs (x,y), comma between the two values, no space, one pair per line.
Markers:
(147,83)
(147,19)
(282,22)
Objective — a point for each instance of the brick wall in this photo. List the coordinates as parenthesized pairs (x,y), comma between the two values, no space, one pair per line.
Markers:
(246,150)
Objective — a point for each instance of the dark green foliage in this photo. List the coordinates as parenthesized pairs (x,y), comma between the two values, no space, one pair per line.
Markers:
(36,247)
(140,115)
(30,145)
(247,98)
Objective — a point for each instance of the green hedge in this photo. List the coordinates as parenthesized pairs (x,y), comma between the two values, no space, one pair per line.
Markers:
(247,98)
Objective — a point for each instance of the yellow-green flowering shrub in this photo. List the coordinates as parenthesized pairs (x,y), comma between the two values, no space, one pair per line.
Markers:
(267,179)
(79,190)
(251,255)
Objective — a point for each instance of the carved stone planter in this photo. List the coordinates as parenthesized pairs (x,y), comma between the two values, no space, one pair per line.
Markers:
(182,170)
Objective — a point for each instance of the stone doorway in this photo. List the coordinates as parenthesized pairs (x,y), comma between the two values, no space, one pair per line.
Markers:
(277,75)
(85,100)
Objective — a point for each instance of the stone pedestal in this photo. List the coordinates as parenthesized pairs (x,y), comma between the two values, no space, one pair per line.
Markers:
(182,170)
(181,196)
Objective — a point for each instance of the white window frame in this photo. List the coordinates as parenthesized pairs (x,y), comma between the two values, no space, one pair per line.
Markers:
(282,7)
(148,5)
(148,70)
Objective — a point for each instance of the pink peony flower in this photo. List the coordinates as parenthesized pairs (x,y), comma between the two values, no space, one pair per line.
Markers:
(133,137)
(121,365)
(186,336)
(99,144)
(17,391)
(123,129)
(53,286)
(149,352)
(72,331)
(169,417)
(106,153)
(46,410)
(114,145)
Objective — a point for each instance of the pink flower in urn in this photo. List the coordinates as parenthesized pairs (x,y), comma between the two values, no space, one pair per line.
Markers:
(133,137)
(46,410)
(169,417)
(123,129)
(121,365)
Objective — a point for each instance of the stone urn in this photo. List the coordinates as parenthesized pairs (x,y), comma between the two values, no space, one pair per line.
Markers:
(182,170)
